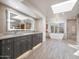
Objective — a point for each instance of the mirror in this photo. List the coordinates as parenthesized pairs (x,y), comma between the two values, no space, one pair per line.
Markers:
(18,21)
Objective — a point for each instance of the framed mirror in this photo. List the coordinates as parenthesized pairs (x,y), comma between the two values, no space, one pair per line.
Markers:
(18,21)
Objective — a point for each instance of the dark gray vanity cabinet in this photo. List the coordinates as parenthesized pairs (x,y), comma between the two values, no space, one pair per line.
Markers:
(17,47)
(37,38)
(34,41)
(40,37)
(12,48)
(29,42)
(22,44)
(6,49)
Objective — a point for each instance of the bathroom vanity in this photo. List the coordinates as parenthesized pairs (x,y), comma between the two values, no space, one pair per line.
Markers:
(24,33)
(12,46)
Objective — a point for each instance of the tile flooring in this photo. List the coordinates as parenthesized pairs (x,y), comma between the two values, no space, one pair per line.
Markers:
(54,49)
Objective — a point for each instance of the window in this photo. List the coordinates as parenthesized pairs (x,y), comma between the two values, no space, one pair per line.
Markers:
(52,29)
(61,28)
(57,28)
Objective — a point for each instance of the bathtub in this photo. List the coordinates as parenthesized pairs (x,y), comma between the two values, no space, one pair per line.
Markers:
(58,36)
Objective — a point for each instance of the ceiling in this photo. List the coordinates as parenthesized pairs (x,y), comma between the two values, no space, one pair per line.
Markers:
(19,6)
(44,6)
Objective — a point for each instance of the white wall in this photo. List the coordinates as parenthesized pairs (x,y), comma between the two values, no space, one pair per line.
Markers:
(40,26)
(43,28)
(77,29)
(2,18)
(19,6)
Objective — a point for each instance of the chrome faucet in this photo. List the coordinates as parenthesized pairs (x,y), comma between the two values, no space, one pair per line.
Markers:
(15,31)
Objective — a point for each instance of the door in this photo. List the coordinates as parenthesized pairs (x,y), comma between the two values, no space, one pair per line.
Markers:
(71,29)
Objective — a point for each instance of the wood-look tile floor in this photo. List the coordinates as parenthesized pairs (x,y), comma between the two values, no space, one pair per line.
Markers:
(53,49)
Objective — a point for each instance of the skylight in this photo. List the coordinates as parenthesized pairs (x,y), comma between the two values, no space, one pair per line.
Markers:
(64,6)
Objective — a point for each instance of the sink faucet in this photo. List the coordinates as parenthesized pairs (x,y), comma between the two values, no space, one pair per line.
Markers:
(15,31)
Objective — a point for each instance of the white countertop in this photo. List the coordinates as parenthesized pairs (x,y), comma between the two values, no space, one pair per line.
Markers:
(5,36)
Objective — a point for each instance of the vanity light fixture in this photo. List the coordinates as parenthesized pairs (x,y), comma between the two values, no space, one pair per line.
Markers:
(63,6)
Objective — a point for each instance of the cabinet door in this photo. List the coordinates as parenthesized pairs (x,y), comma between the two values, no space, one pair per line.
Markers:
(0,49)
(29,42)
(37,38)
(34,40)
(40,37)
(22,44)
(17,47)
(26,43)
(7,49)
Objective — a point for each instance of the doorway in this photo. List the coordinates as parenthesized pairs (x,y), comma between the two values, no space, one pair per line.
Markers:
(71,29)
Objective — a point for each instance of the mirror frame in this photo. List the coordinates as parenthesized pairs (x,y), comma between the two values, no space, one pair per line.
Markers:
(15,12)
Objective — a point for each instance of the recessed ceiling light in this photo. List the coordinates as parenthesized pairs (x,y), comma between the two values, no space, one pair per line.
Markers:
(64,6)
